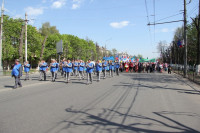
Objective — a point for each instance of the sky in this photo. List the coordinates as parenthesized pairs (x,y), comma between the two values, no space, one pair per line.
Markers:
(120,24)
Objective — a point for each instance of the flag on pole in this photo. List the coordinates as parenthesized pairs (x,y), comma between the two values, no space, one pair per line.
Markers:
(179,43)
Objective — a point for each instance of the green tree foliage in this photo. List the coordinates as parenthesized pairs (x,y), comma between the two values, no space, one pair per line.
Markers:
(42,44)
(176,53)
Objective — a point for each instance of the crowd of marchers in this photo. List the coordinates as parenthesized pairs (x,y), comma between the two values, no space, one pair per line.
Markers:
(81,69)
(148,67)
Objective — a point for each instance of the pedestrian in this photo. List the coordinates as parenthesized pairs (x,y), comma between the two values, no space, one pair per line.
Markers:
(169,69)
(104,64)
(90,68)
(75,68)
(57,69)
(26,69)
(17,73)
(98,70)
(81,69)
(62,68)
(126,66)
(68,70)
(110,68)
(53,69)
(131,66)
(147,68)
(43,68)
(121,66)
(117,65)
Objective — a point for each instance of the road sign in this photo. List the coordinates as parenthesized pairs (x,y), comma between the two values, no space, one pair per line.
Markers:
(59,47)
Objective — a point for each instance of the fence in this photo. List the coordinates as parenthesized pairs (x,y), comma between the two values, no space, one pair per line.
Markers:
(191,72)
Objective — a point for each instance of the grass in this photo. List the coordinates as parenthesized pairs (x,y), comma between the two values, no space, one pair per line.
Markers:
(8,72)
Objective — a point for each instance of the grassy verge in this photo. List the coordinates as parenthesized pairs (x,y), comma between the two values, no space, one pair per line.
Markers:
(8,73)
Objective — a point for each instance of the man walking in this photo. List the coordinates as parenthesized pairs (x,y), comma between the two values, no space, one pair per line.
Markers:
(75,66)
(26,70)
(104,64)
(68,70)
(43,68)
(117,65)
(90,67)
(53,69)
(81,69)
(98,70)
(17,73)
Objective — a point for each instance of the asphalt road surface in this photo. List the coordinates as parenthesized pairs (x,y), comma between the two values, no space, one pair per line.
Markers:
(130,103)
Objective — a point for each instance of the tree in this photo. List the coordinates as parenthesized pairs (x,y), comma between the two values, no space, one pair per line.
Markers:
(46,30)
(114,52)
(140,56)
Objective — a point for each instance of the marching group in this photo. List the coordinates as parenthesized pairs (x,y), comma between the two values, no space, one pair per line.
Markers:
(79,68)
(68,68)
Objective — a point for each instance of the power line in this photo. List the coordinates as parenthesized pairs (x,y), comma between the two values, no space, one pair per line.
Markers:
(148,20)
(169,17)
(164,22)
(154,6)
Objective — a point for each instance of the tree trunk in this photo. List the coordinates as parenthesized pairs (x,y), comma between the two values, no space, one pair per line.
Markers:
(43,46)
(21,45)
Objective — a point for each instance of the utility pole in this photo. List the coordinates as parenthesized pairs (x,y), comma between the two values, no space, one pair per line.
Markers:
(198,26)
(185,40)
(198,43)
(26,21)
(1,37)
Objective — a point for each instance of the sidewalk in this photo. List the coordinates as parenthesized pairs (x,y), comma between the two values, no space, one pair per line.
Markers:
(190,83)
(7,82)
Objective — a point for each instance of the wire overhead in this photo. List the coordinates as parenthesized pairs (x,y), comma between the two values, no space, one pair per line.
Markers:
(154,7)
(148,20)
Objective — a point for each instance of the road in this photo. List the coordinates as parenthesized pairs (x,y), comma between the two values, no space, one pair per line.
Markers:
(130,103)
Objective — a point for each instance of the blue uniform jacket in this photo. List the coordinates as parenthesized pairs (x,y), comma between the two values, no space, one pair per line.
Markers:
(27,68)
(76,66)
(104,66)
(53,67)
(99,67)
(15,71)
(90,67)
(113,66)
(81,67)
(57,66)
(63,66)
(117,65)
(43,66)
(69,67)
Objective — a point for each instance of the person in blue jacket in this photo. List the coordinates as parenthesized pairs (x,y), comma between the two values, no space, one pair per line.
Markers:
(68,70)
(53,69)
(75,68)
(57,69)
(90,68)
(98,70)
(43,68)
(64,67)
(17,73)
(111,68)
(81,68)
(104,68)
(117,65)
(27,69)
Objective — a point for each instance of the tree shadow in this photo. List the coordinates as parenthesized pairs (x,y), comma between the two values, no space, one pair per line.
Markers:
(96,121)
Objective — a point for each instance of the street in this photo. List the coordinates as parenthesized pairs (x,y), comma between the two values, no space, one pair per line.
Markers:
(129,103)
